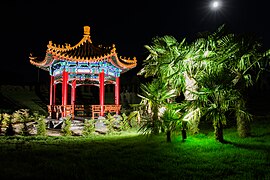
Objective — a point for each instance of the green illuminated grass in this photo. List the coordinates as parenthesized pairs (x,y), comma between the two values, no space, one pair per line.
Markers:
(133,156)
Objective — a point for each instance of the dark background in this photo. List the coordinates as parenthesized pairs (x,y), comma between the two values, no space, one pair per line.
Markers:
(28,25)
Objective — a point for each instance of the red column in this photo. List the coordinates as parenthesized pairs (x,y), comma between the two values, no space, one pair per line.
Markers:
(117,92)
(54,94)
(73,92)
(101,92)
(63,77)
(64,90)
(73,95)
(51,90)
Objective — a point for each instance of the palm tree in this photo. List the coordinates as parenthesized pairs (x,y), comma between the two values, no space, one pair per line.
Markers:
(154,96)
(208,71)
(164,62)
(171,119)
(230,66)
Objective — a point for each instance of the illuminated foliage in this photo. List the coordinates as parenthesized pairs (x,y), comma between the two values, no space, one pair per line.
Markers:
(89,127)
(41,125)
(212,73)
(66,126)
(154,96)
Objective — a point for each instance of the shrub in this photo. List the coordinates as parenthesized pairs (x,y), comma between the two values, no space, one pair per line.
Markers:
(110,123)
(22,116)
(8,120)
(89,127)
(124,123)
(1,122)
(41,125)
(66,126)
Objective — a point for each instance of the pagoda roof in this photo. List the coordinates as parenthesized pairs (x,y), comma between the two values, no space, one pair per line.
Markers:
(83,51)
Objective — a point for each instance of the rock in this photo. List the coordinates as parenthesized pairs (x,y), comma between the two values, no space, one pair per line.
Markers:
(101,126)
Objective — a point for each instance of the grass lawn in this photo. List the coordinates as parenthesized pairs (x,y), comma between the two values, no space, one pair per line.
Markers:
(134,156)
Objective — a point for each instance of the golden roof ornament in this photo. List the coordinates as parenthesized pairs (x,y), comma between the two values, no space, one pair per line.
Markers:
(86,30)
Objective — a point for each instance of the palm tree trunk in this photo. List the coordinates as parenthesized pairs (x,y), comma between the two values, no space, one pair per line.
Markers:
(168,136)
(155,120)
(243,127)
(219,132)
(184,132)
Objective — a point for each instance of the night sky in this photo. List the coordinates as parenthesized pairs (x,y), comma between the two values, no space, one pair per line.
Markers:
(28,25)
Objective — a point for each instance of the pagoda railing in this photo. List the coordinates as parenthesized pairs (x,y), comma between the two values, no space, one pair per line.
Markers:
(57,111)
(96,110)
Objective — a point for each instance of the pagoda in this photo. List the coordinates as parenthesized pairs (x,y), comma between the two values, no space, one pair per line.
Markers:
(82,64)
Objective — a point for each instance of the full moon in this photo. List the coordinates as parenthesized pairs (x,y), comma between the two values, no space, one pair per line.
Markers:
(215,5)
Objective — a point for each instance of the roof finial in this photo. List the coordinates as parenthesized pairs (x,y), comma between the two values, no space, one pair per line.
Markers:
(86,30)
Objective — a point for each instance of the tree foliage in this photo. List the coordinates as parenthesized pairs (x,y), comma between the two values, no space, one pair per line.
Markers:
(212,73)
